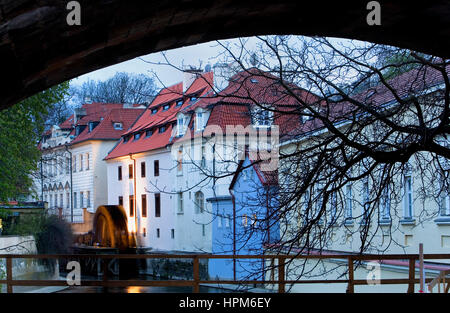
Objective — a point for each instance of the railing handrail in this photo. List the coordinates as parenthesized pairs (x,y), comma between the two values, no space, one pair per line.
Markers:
(355,257)
(196,281)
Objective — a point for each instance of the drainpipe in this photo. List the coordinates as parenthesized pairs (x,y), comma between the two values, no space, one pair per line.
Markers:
(234,232)
(71,182)
(135,199)
(42,182)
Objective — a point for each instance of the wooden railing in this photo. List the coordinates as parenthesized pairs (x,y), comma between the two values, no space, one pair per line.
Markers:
(440,279)
(195,283)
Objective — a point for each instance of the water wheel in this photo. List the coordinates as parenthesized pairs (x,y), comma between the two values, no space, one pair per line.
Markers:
(110,228)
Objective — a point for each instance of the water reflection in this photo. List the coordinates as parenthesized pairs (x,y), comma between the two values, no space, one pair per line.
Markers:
(139,289)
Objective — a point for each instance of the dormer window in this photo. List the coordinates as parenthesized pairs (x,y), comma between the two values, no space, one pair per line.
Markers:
(92,125)
(179,103)
(262,118)
(148,133)
(180,125)
(137,136)
(118,126)
(199,120)
(162,129)
(193,98)
(166,107)
(125,139)
(154,111)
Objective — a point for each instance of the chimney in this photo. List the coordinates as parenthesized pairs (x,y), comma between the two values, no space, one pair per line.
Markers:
(190,74)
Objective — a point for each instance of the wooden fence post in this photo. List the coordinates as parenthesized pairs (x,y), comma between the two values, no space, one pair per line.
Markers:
(9,278)
(412,274)
(350,286)
(196,274)
(281,274)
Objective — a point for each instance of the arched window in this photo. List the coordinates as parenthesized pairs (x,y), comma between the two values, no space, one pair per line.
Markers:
(199,202)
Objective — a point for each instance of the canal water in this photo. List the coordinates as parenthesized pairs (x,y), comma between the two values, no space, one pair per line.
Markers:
(139,289)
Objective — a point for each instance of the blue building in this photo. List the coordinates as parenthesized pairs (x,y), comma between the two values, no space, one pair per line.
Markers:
(244,223)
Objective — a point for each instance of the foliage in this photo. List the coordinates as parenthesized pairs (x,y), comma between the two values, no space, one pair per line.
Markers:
(121,88)
(20,129)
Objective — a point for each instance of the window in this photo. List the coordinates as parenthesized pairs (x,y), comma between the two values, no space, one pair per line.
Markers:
(154,111)
(166,107)
(81,162)
(172,233)
(444,205)
(67,165)
(219,221)
(61,200)
(333,205)
(148,133)
(408,197)
(81,199)
(130,171)
(193,98)
(180,203)
(227,220)
(142,169)
(121,200)
(88,199)
(87,161)
(304,118)
(180,126)
(179,103)
(385,205)
(118,126)
(366,202)
(199,202)
(144,232)
(74,163)
(199,120)
(119,173)
(67,200)
(203,162)
(56,200)
(157,233)
(125,139)
(162,129)
(61,166)
(137,136)
(51,200)
(244,220)
(203,230)
(348,202)
(75,204)
(263,118)
(180,160)
(156,168)
(157,205)
(131,205)
(144,205)
(92,125)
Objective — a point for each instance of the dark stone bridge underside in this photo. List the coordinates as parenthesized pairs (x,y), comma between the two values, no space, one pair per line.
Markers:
(38,49)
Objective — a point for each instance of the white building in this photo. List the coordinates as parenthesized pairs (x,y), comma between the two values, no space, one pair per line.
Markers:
(73,173)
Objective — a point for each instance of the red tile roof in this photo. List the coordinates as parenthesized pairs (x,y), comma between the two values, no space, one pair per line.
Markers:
(148,120)
(105,114)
